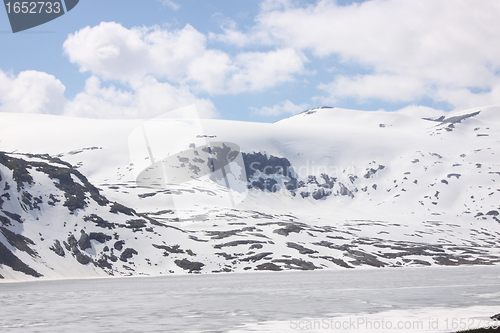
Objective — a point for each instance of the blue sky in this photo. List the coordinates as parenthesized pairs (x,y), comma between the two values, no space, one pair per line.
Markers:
(253,60)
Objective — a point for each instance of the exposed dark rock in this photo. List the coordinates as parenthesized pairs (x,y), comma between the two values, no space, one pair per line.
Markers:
(147,195)
(268,266)
(258,163)
(440,119)
(19,241)
(170,249)
(5,221)
(362,258)
(257,257)
(297,264)
(12,216)
(100,237)
(319,193)
(100,222)
(28,201)
(421,262)
(256,246)
(237,242)
(456,175)
(292,184)
(265,184)
(7,258)
(229,233)
(226,256)
(135,224)
(493,213)
(53,200)
(454,260)
(197,239)
(329,181)
(72,246)
(343,247)
(191,266)
(119,208)
(445,261)
(220,154)
(436,155)
(289,228)
(127,254)
(103,263)
(345,191)
(419,251)
(337,261)
(300,248)
(370,172)
(312,180)
(57,248)
(458,119)
(19,168)
(84,241)
(82,258)
(75,192)
(314,110)
(268,169)
(119,245)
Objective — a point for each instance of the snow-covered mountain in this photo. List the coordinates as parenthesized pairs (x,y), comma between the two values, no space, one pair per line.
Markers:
(326,189)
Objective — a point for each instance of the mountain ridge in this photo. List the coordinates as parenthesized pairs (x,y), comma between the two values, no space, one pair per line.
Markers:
(356,189)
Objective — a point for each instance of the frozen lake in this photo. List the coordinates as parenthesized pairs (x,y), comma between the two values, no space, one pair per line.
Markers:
(430,299)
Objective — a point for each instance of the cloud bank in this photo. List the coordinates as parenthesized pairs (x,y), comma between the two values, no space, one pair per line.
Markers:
(398,52)
(405,50)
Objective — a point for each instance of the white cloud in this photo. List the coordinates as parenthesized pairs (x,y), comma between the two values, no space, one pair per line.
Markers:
(398,51)
(410,48)
(114,52)
(171,4)
(31,92)
(285,107)
(463,98)
(261,70)
(388,87)
(421,111)
(268,5)
(147,98)
(38,92)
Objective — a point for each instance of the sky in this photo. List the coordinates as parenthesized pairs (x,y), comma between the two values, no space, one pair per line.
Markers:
(253,60)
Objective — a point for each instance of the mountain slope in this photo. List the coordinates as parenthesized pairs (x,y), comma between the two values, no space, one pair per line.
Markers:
(328,188)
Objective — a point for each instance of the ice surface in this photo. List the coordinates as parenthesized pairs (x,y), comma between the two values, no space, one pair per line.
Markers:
(258,302)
